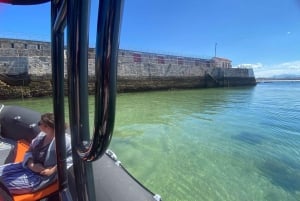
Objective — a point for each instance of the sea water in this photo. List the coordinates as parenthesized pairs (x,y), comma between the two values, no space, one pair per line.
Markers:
(219,144)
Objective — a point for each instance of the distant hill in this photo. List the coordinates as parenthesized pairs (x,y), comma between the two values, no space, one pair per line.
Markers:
(281,77)
(286,76)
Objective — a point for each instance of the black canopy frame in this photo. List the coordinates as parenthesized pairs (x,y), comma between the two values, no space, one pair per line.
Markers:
(74,15)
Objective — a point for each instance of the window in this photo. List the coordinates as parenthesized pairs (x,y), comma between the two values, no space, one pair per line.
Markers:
(12,45)
(180,61)
(160,60)
(137,57)
(207,64)
(25,46)
(197,62)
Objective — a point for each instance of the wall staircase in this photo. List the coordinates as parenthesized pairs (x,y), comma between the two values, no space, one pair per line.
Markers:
(215,74)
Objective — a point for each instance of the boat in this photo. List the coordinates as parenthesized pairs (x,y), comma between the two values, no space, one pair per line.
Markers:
(96,173)
(113,181)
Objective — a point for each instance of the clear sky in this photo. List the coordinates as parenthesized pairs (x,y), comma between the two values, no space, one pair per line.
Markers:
(262,34)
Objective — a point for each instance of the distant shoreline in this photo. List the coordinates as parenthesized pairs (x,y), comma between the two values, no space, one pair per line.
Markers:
(265,80)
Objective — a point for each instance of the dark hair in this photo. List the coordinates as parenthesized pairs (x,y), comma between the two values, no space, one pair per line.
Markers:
(48,119)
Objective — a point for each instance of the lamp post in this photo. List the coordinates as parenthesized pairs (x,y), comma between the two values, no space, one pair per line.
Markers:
(216,49)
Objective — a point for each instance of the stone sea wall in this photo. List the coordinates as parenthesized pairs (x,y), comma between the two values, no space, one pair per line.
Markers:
(137,71)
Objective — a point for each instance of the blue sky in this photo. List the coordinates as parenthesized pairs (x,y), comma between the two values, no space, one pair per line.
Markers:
(261,34)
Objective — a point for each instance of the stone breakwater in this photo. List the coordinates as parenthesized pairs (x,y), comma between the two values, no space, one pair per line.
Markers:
(137,71)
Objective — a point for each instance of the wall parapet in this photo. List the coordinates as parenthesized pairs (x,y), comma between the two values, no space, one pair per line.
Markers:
(34,57)
(136,70)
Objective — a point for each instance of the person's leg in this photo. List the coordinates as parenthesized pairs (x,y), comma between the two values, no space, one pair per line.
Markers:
(20,180)
(5,166)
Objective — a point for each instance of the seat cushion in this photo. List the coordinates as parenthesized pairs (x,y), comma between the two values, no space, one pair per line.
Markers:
(21,147)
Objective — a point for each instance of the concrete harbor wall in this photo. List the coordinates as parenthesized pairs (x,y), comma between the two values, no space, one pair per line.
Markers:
(137,71)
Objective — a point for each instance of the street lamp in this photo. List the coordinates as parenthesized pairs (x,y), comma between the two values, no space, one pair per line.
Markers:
(216,49)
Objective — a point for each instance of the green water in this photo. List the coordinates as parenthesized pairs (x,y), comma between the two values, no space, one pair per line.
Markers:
(227,144)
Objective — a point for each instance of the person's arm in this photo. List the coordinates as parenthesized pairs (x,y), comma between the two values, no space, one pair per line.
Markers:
(49,171)
(39,168)
(28,154)
(35,167)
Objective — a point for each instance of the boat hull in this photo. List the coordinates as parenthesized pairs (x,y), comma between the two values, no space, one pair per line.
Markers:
(111,180)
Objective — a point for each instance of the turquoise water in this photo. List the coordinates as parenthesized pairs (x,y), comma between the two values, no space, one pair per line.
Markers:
(227,144)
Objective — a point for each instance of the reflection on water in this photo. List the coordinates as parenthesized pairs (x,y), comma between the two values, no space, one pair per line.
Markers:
(227,144)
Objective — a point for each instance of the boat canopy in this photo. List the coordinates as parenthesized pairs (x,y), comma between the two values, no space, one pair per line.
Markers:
(74,16)
(24,2)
